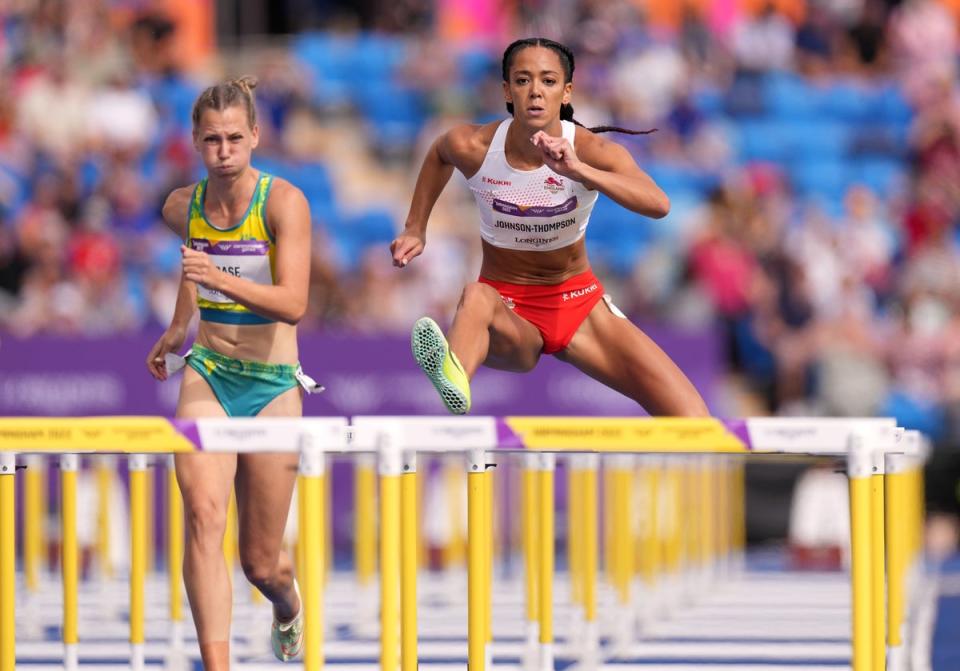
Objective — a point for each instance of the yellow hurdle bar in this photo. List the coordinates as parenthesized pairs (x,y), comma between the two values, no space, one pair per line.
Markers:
(33,520)
(365,522)
(8,560)
(138,555)
(531,529)
(390,468)
(859,466)
(69,463)
(476,564)
(312,537)
(175,556)
(104,471)
(547,467)
(409,548)
(878,597)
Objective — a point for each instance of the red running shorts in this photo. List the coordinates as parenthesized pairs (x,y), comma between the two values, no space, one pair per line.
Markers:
(557,310)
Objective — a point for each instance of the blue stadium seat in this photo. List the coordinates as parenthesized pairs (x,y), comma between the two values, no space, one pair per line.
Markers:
(826,178)
(371,226)
(818,139)
(762,140)
(788,96)
(848,101)
(881,175)
(893,106)
(476,64)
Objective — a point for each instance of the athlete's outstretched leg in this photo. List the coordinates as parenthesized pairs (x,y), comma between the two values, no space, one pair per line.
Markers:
(484,331)
(609,348)
(264,489)
(206,481)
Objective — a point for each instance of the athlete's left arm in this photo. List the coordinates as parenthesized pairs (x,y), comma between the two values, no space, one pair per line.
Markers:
(607,167)
(286,300)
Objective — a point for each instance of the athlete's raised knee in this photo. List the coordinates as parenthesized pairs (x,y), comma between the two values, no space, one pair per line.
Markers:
(479,297)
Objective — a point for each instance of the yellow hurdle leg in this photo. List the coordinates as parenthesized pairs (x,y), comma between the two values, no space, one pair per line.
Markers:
(33,521)
(476,564)
(574,543)
(878,627)
(8,560)
(150,551)
(69,463)
(327,522)
(547,467)
(423,557)
(230,537)
(859,466)
(531,529)
(365,533)
(311,528)
(707,510)
(300,567)
(609,544)
(591,638)
(895,541)
(409,547)
(138,555)
(488,556)
(390,467)
(105,470)
(175,556)
(625,547)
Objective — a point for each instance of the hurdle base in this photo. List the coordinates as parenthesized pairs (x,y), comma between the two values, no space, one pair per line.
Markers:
(897,658)
(71,658)
(590,643)
(546,657)
(137,657)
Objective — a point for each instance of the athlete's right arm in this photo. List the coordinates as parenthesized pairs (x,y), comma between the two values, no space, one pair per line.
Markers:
(175,217)
(457,148)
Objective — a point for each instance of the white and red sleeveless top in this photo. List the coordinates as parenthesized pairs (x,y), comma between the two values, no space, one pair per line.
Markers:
(533,210)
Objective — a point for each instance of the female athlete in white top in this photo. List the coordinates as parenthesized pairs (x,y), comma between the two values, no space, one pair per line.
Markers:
(535,177)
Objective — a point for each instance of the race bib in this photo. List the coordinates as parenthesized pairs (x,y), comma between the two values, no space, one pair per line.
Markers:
(247,259)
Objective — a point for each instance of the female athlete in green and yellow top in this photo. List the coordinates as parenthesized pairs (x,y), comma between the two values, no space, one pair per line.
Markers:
(246,261)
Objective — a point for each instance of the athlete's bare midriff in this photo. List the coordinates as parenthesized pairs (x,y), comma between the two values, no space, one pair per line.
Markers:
(528,267)
(267,343)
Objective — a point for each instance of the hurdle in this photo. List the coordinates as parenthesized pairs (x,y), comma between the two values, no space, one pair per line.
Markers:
(866,444)
(877,453)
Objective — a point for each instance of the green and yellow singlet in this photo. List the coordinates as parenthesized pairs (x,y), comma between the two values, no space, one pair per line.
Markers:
(246,250)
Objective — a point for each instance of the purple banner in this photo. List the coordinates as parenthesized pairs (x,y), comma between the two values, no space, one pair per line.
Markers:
(364,375)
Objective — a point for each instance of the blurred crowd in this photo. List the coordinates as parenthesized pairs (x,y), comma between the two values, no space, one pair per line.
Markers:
(811,149)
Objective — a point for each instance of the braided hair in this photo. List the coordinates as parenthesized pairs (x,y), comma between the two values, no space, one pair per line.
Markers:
(566,61)
(231,93)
